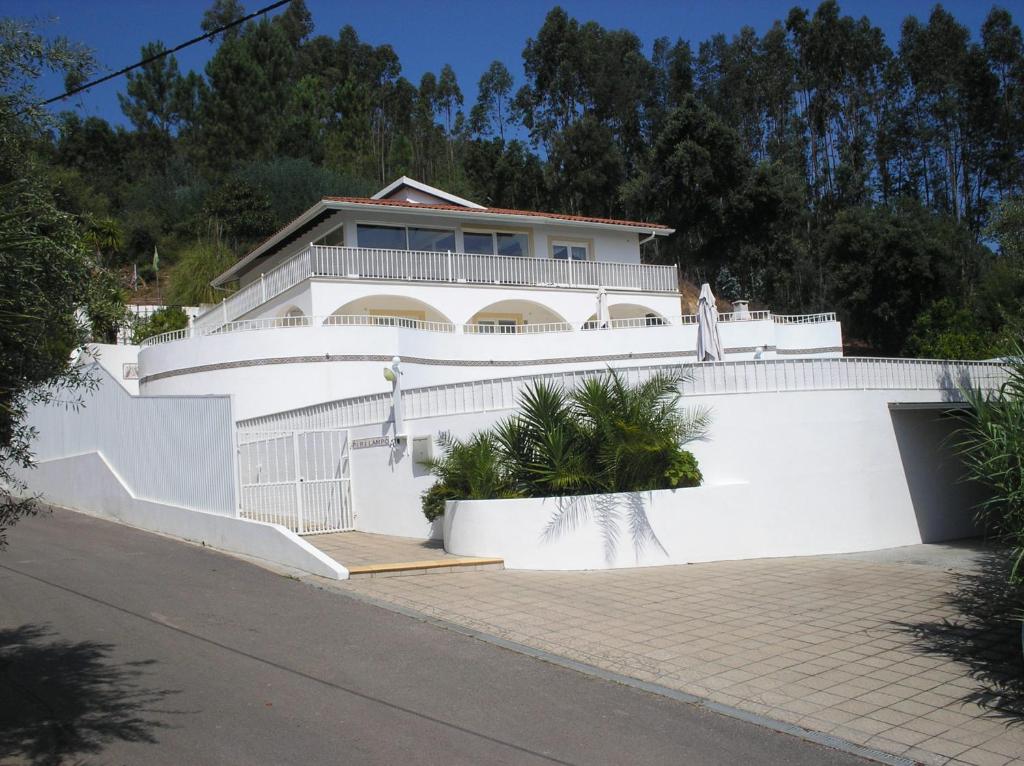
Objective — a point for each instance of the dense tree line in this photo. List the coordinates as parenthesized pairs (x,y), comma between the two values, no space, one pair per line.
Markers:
(812,167)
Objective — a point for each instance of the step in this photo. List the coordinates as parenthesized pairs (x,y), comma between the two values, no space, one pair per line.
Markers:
(434,566)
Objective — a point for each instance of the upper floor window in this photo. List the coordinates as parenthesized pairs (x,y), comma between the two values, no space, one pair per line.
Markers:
(496,242)
(577,251)
(335,237)
(438,240)
(405,238)
(384,237)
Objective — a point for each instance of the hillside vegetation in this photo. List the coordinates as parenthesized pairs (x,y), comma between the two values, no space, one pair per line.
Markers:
(817,166)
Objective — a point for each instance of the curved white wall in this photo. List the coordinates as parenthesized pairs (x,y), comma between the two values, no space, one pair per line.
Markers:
(283,368)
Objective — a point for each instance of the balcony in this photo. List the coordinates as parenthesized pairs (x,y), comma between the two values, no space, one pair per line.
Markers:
(424,266)
(362,320)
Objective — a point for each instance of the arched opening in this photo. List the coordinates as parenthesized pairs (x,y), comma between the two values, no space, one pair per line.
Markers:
(389,310)
(516,316)
(628,315)
(291,316)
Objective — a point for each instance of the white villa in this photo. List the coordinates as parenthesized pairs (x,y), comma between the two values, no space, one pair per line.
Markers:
(458,291)
(307,400)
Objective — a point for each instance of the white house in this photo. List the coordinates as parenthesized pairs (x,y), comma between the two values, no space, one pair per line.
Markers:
(284,403)
(458,291)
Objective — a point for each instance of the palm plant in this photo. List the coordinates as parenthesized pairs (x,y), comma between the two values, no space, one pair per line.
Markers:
(606,436)
(991,444)
(469,469)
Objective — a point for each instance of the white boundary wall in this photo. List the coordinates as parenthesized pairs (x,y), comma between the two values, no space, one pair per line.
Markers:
(786,474)
(806,434)
(171,449)
(165,464)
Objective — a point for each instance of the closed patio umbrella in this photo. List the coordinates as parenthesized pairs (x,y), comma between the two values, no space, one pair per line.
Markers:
(709,345)
(603,317)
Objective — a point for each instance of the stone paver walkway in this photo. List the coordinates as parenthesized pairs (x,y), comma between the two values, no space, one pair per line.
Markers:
(896,653)
(359,548)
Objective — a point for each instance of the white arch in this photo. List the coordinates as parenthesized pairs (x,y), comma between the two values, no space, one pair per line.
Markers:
(520,311)
(384,305)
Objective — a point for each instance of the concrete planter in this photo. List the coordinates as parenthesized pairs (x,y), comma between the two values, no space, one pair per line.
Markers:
(614,531)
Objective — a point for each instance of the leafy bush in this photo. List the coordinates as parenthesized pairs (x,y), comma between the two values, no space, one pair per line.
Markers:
(991,444)
(197,267)
(167,319)
(606,436)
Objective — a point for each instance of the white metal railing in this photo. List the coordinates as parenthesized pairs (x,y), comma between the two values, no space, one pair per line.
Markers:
(631,322)
(828,316)
(745,316)
(516,329)
(707,378)
(371,320)
(421,265)
(365,320)
(278,323)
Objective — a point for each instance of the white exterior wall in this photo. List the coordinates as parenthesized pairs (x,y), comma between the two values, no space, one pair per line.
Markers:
(786,474)
(114,357)
(283,368)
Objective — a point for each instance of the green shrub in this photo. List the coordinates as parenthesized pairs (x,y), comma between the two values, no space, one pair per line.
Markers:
(166,319)
(605,436)
(991,444)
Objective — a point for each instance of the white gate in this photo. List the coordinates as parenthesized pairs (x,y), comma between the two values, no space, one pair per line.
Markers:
(299,479)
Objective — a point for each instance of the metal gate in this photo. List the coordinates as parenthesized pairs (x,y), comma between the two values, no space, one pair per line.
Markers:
(299,479)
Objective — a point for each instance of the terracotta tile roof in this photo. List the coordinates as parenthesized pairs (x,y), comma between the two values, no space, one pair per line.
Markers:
(493,211)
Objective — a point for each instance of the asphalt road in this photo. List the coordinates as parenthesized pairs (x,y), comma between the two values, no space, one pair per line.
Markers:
(121,647)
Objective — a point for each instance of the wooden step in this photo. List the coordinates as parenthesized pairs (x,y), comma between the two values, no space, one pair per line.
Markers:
(433,566)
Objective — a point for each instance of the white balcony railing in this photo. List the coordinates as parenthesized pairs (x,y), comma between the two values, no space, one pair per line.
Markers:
(366,320)
(425,266)
(516,329)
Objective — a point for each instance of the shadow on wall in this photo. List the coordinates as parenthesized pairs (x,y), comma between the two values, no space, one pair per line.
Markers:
(943,501)
(60,701)
(611,514)
(985,636)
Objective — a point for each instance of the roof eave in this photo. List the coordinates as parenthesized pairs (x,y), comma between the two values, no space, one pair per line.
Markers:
(268,243)
(484,215)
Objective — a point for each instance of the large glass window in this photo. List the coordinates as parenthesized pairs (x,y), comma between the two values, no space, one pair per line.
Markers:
(513,244)
(578,251)
(478,242)
(497,243)
(437,240)
(386,237)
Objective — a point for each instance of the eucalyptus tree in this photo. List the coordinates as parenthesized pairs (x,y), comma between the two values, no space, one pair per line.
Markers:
(490,114)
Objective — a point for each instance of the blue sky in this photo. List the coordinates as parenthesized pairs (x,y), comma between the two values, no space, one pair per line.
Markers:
(426,35)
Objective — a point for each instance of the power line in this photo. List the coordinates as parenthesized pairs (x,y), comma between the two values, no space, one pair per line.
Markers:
(160,55)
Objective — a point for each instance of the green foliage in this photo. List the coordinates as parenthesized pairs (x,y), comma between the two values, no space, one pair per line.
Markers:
(886,263)
(947,331)
(167,319)
(197,266)
(607,436)
(48,277)
(991,444)
(765,151)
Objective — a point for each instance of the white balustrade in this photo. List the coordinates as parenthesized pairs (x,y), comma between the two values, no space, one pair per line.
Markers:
(429,266)
(707,378)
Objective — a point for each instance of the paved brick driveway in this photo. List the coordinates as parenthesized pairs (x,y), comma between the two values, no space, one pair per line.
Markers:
(897,652)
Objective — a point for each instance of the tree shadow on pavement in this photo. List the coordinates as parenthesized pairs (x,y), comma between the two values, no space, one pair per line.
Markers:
(61,700)
(985,637)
